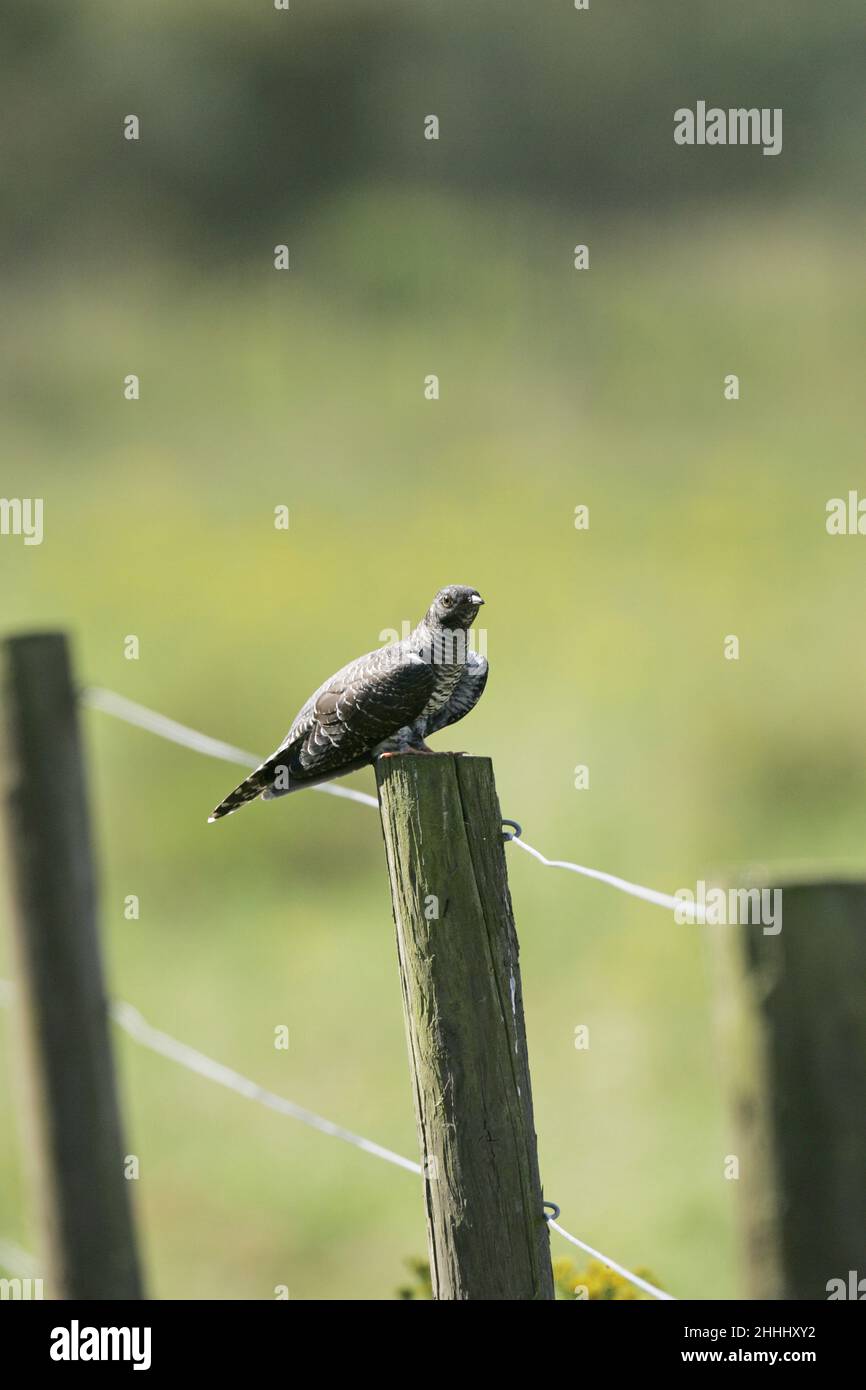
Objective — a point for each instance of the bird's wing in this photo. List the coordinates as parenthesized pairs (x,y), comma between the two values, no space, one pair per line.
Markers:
(366,702)
(464,697)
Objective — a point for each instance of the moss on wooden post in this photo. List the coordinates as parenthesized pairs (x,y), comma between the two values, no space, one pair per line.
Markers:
(463,1005)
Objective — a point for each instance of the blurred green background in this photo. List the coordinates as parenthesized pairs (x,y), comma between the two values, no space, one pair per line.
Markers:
(558,387)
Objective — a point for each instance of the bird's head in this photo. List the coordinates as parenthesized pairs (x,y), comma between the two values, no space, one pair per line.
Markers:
(454,606)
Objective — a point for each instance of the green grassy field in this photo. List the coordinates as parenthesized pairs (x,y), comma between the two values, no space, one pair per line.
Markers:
(707,518)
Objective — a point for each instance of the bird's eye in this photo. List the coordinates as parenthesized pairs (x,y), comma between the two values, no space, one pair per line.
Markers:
(447,600)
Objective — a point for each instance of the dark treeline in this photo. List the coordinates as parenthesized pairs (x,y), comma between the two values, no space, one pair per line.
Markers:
(247,112)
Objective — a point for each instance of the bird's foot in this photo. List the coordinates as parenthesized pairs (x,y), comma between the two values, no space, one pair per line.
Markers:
(398,752)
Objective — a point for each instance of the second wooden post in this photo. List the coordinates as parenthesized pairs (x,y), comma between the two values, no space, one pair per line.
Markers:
(74,1112)
(463,1006)
(792,1009)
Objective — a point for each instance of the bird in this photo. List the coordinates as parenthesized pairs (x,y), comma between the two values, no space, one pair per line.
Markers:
(388,701)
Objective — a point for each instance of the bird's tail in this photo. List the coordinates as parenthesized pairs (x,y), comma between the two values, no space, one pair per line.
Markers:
(249,789)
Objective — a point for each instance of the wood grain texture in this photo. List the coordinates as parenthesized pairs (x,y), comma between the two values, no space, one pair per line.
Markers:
(70,1087)
(463,1004)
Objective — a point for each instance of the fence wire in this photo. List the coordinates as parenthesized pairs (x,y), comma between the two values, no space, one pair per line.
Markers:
(136,1026)
(131,713)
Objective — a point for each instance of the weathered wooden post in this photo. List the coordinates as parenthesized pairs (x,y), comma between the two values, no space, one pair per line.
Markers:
(793,1007)
(463,1007)
(84,1198)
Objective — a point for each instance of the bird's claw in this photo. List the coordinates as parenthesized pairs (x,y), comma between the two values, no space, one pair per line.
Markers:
(397,752)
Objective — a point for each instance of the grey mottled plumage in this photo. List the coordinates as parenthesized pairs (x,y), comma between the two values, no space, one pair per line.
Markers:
(388,701)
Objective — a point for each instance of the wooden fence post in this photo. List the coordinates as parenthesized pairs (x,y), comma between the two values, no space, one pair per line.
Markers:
(464,1021)
(83,1195)
(793,1007)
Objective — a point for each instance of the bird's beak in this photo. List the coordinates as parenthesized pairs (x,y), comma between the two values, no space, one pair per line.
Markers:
(477,599)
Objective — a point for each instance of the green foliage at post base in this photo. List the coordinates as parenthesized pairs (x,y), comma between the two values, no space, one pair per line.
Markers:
(573,1284)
